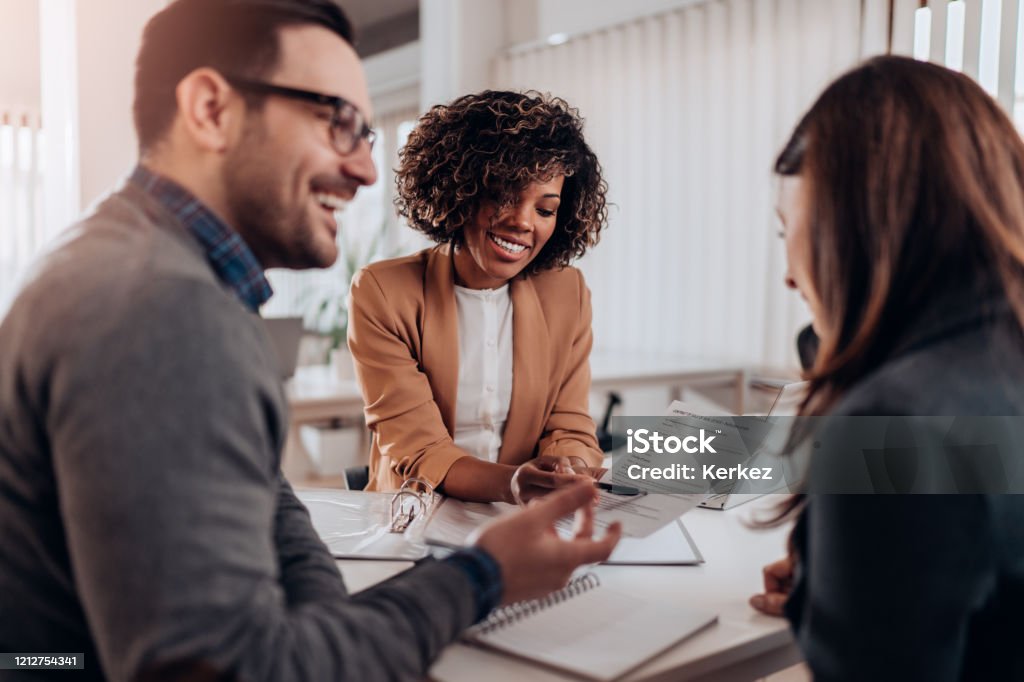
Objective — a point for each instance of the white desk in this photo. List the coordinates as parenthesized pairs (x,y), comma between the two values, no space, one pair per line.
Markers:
(743,645)
(315,394)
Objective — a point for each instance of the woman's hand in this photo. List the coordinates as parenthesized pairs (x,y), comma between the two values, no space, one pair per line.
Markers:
(542,475)
(580,466)
(778,581)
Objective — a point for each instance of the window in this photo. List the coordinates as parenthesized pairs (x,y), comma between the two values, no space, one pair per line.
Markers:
(981,38)
(21,152)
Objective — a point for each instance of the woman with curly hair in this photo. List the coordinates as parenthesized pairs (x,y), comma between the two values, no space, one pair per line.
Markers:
(473,355)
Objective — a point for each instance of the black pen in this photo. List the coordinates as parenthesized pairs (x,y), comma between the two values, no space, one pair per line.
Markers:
(618,489)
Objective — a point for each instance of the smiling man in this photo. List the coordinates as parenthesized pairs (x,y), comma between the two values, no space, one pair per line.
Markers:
(144,518)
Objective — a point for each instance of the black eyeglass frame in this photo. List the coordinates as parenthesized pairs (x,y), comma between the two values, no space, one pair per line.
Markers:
(361,130)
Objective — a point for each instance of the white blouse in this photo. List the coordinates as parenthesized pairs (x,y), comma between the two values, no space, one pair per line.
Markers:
(485,369)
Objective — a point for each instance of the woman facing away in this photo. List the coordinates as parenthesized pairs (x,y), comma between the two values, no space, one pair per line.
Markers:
(902,199)
(473,355)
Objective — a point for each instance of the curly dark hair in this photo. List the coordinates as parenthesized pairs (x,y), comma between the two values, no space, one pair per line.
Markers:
(489,147)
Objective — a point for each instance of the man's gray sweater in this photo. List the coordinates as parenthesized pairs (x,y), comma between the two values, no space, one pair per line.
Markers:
(143,519)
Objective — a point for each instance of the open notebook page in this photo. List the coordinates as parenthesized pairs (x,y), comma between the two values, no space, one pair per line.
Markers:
(601,634)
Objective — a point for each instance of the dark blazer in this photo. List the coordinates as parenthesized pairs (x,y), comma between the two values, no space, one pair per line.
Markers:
(923,587)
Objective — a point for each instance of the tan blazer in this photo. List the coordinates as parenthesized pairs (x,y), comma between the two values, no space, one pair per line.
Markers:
(403,334)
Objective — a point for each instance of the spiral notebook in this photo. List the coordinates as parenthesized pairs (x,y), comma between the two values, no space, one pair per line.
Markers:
(587,629)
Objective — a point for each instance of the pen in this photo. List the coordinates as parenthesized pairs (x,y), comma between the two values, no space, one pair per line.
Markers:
(617,489)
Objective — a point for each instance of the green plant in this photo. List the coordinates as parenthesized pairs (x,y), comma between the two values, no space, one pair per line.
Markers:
(329,314)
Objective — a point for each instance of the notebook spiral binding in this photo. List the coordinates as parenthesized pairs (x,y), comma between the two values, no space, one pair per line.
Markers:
(513,613)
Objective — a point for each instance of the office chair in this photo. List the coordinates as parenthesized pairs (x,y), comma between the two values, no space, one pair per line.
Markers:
(357,478)
(607,440)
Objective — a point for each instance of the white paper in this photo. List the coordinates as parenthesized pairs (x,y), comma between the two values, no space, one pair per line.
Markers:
(668,546)
(640,516)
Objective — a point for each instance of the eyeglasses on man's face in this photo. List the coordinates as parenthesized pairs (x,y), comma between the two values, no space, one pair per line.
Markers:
(348,124)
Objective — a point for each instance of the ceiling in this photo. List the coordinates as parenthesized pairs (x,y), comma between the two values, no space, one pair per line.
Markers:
(367,12)
(383,24)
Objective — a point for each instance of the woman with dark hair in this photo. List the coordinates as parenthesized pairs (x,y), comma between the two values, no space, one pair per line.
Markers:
(902,199)
(473,356)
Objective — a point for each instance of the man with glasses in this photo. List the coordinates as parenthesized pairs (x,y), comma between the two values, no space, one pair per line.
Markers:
(144,520)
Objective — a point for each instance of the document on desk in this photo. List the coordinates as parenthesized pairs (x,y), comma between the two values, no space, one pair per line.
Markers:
(454,521)
(668,546)
(640,515)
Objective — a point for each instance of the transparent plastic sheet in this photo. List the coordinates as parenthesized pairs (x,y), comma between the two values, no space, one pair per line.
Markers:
(356,525)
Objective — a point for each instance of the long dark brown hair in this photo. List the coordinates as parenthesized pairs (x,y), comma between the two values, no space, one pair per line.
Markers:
(915,182)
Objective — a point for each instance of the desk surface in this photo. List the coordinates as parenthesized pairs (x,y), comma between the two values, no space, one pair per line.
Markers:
(315,393)
(743,644)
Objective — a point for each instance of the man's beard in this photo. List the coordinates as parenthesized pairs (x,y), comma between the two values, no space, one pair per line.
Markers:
(278,234)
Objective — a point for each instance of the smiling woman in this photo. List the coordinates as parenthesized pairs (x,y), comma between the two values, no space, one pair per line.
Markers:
(473,355)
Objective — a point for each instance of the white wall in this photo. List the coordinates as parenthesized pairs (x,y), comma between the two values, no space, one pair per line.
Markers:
(522,22)
(19,55)
(393,78)
(458,42)
(109,33)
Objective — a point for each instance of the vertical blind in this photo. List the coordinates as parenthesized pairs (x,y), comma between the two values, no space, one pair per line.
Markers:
(686,111)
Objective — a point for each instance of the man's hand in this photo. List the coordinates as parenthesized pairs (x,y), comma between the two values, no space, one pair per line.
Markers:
(534,560)
(540,476)
(778,581)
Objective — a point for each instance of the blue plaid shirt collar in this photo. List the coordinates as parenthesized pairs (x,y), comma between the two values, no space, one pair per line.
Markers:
(228,254)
